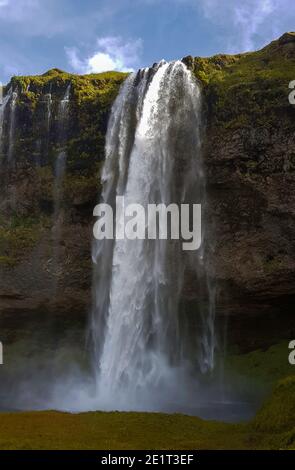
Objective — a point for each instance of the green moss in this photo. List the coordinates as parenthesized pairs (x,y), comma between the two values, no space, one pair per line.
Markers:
(80,184)
(273,265)
(264,366)
(7,261)
(16,240)
(251,87)
(99,430)
(277,414)
(241,91)
(91,99)
(50,430)
(18,236)
(75,185)
(46,177)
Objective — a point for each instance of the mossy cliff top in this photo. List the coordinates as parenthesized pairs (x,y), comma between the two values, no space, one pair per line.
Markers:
(30,149)
(36,136)
(55,81)
(249,88)
(240,90)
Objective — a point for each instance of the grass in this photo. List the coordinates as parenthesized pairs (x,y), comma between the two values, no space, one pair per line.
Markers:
(273,427)
(91,97)
(261,366)
(247,89)
(123,431)
(278,412)
(86,85)
(118,430)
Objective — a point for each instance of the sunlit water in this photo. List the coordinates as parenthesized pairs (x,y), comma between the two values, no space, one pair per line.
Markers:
(146,353)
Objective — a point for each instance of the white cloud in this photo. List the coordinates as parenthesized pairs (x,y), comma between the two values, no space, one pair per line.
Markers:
(100,62)
(249,24)
(111,53)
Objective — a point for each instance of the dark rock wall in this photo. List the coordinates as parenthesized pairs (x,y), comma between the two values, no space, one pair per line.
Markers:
(29,277)
(250,158)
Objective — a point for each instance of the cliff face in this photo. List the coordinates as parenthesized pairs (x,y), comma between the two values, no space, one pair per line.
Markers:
(250,158)
(33,208)
(249,153)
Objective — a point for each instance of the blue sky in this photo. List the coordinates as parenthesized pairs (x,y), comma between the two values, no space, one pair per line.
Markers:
(85,36)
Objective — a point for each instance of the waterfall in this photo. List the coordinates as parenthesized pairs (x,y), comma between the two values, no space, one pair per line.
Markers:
(63,111)
(7,144)
(143,341)
(47,103)
(13,100)
(3,106)
(63,114)
(60,167)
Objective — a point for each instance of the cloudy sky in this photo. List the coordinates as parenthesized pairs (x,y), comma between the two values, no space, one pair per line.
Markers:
(94,35)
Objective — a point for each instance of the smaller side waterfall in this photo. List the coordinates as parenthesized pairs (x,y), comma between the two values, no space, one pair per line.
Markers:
(13,100)
(48,99)
(48,102)
(3,107)
(59,170)
(60,164)
(62,117)
(64,107)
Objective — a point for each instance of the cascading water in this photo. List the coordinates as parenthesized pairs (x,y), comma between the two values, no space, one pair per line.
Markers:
(151,352)
(7,145)
(3,107)
(47,100)
(143,341)
(12,102)
(63,111)
(60,167)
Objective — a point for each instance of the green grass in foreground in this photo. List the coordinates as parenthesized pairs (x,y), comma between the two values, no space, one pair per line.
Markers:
(53,430)
(272,428)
